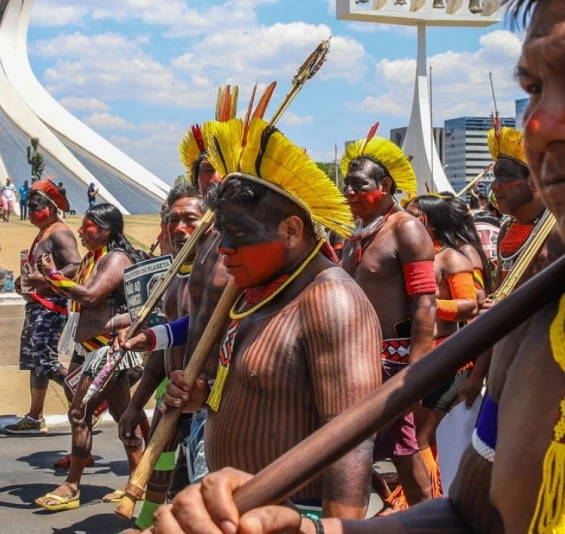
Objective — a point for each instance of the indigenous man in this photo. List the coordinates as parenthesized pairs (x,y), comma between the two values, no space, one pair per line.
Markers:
(516,196)
(391,257)
(510,480)
(45,311)
(206,284)
(264,401)
(184,214)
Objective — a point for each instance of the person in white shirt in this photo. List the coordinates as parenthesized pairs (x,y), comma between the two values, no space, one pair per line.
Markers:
(9,195)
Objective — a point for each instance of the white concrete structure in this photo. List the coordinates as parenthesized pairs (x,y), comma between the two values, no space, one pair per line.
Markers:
(421,13)
(74,153)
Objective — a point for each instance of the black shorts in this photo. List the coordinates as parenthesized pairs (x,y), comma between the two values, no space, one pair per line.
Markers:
(444,398)
(40,337)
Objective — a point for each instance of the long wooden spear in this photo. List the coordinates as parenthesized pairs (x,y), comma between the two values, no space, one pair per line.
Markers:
(294,469)
(475,180)
(167,425)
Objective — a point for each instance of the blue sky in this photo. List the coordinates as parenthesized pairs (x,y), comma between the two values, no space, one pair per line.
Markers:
(141,71)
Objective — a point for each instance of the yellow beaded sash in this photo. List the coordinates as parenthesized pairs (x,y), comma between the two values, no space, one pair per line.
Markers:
(549,517)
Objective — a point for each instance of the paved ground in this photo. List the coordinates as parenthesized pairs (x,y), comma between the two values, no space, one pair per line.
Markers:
(26,473)
(26,470)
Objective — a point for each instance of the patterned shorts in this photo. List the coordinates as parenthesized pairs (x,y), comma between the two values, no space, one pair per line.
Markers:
(40,338)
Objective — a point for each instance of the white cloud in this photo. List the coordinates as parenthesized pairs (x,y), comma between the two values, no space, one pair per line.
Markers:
(114,67)
(382,105)
(273,52)
(156,151)
(292,119)
(51,13)
(107,121)
(460,81)
(179,17)
(73,103)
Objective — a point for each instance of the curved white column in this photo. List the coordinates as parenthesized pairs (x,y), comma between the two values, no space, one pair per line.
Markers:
(24,118)
(60,120)
(419,142)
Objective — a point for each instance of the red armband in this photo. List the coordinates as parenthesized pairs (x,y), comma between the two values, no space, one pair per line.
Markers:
(420,277)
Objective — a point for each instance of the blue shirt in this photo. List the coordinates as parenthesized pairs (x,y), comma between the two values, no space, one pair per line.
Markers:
(24,192)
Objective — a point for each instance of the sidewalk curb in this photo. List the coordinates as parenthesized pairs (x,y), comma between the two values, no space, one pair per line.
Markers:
(63,420)
(11,299)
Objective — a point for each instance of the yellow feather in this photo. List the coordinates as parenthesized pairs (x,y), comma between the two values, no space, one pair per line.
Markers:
(286,166)
(189,152)
(387,153)
(509,144)
(223,141)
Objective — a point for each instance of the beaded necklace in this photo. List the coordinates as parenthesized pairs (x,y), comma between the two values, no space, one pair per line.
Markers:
(549,516)
(257,298)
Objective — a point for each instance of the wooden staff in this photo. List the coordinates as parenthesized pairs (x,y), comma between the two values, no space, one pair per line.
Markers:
(110,367)
(294,469)
(136,486)
(533,246)
(168,423)
(475,181)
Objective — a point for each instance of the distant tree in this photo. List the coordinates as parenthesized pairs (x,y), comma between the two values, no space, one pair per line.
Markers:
(180,178)
(329,169)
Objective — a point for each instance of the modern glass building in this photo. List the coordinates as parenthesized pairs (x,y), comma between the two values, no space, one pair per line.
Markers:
(466,150)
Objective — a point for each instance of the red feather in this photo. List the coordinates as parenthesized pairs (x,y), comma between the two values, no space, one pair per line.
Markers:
(264,102)
(370,135)
(197,133)
(248,116)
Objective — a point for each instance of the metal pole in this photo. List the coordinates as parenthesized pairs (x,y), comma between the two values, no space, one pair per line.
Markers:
(431,130)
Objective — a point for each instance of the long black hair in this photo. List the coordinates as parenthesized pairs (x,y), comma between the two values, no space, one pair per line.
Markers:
(454,226)
(108,217)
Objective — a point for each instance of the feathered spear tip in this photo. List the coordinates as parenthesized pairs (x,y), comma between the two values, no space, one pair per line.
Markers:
(370,135)
(306,72)
(313,63)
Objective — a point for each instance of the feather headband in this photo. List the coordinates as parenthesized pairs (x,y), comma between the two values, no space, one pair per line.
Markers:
(508,143)
(47,189)
(384,153)
(270,159)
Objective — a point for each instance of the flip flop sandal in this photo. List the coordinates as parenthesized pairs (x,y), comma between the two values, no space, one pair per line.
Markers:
(64,504)
(116,496)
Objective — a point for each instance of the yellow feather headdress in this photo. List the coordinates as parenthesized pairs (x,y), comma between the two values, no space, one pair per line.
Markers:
(387,154)
(192,143)
(267,157)
(508,143)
